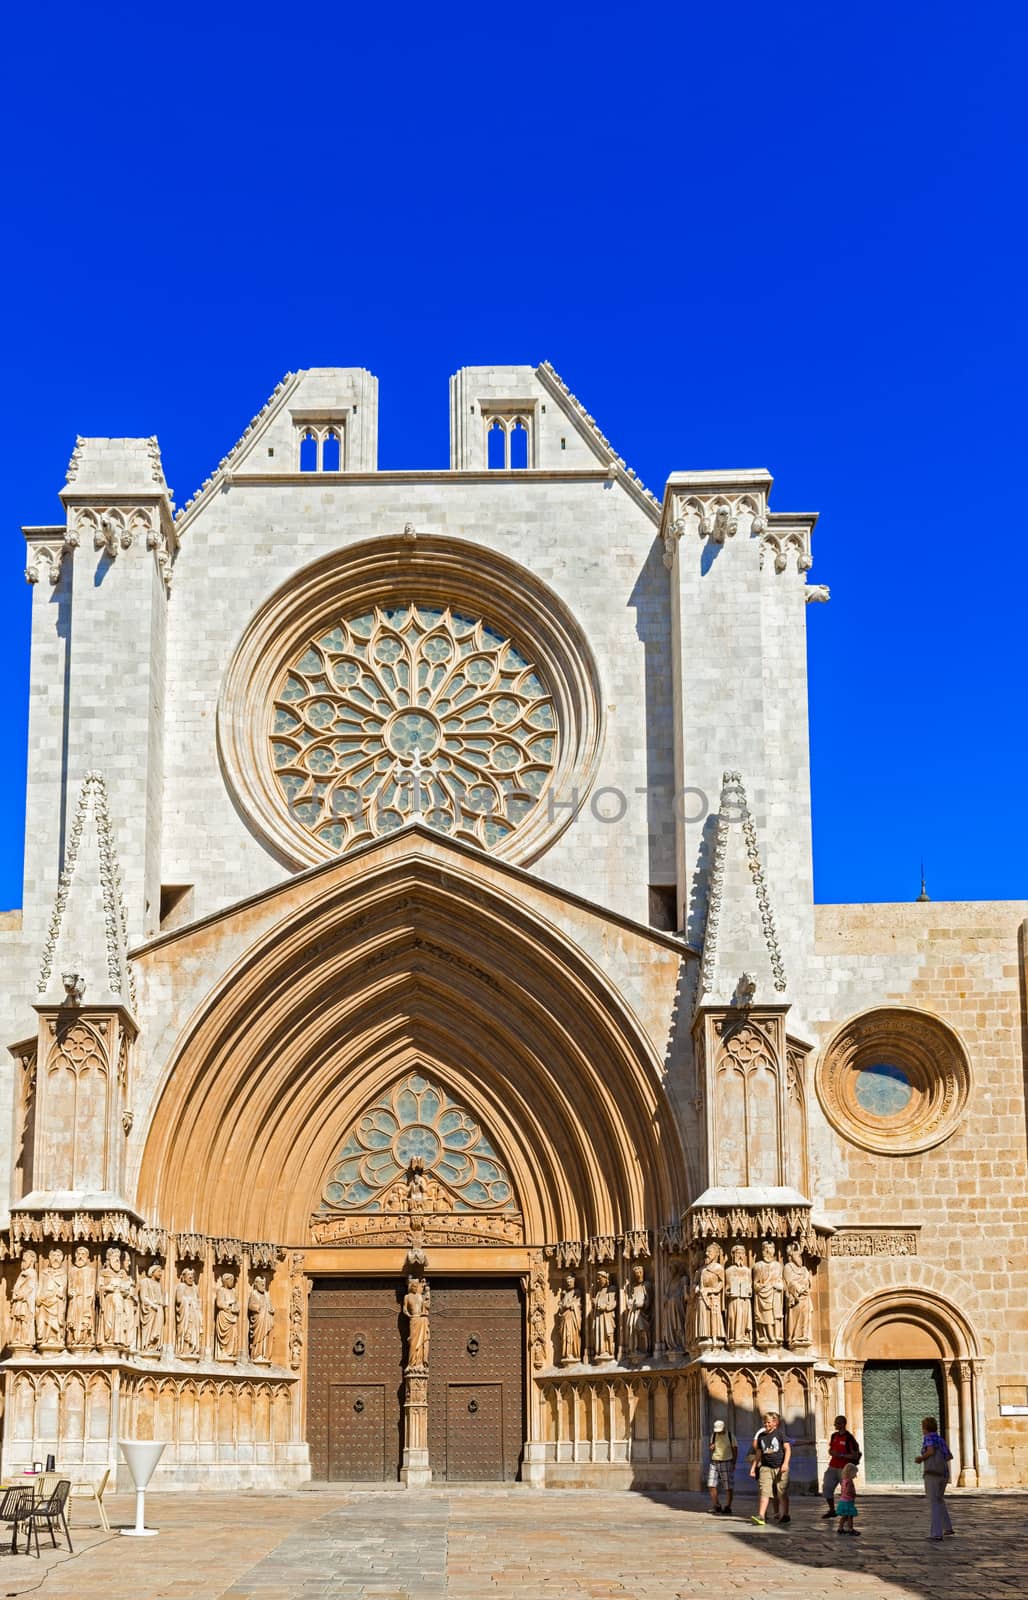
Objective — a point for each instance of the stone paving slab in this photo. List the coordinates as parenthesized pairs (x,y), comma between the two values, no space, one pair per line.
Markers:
(520,1544)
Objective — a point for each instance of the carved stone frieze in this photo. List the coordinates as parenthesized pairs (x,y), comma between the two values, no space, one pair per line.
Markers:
(781,546)
(715,517)
(299,1289)
(435,1228)
(45,559)
(538,1280)
(875,1242)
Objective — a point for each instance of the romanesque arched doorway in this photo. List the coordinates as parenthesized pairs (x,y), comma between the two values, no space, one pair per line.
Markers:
(905,1354)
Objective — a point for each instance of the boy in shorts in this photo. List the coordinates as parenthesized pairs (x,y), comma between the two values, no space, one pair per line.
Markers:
(771,1462)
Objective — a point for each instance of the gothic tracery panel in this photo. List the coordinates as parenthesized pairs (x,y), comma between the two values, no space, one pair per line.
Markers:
(412,710)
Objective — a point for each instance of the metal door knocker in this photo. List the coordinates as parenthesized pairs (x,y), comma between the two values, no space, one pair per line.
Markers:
(358,1346)
(472,1406)
(358,1406)
(473,1346)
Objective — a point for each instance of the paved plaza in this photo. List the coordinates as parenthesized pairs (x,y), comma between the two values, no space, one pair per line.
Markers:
(477,1543)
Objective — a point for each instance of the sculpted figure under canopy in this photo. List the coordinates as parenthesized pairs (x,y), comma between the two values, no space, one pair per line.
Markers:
(188,1315)
(23,1303)
(768,1298)
(52,1301)
(416,1306)
(605,1305)
(638,1317)
(151,1310)
(710,1298)
(261,1318)
(226,1318)
(799,1312)
(116,1292)
(569,1324)
(81,1300)
(675,1292)
(739,1288)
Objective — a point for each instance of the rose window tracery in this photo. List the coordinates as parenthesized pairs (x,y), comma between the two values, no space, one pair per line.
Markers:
(416,1121)
(412,711)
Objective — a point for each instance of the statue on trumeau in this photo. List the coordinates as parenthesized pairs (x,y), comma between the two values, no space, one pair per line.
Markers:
(188,1316)
(52,1301)
(260,1315)
(416,1307)
(739,1292)
(768,1299)
(23,1303)
(675,1291)
(151,1310)
(226,1318)
(604,1319)
(638,1317)
(709,1298)
(569,1324)
(798,1309)
(82,1300)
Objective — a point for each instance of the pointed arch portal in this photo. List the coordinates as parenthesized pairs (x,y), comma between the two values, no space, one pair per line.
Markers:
(413,965)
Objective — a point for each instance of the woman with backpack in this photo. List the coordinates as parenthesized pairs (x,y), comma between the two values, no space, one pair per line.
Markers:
(935,1458)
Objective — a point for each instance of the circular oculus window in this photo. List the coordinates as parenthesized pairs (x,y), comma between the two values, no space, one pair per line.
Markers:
(435,682)
(894,1080)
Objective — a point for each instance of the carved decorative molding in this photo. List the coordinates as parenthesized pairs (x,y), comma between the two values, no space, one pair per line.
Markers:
(715,517)
(120,977)
(894,1080)
(875,1242)
(634,1244)
(45,559)
(734,808)
(779,547)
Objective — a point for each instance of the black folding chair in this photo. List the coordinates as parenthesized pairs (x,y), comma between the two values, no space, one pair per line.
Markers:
(51,1511)
(14,1508)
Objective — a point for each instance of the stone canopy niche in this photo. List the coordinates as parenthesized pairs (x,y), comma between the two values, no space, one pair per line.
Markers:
(417,1164)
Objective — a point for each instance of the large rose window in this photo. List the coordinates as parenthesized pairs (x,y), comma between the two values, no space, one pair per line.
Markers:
(412,712)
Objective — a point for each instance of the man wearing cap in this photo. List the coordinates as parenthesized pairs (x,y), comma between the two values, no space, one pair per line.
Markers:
(724,1453)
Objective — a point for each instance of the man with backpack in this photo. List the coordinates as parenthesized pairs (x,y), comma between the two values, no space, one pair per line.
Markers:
(843,1450)
(724,1453)
(771,1452)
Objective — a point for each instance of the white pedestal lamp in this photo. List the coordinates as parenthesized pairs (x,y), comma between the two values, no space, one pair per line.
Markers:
(142,1456)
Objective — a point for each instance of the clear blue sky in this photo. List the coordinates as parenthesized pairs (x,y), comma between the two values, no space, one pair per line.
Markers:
(788,236)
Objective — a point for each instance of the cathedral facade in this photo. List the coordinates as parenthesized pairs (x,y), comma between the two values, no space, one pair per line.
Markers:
(425,1057)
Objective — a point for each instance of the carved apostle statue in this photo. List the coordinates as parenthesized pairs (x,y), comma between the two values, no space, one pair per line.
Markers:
(709,1298)
(638,1317)
(739,1292)
(768,1298)
(226,1318)
(799,1317)
(569,1324)
(260,1314)
(115,1292)
(23,1304)
(604,1329)
(151,1310)
(188,1315)
(675,1291)
(52,1301)
(81,1300)
(416,1307)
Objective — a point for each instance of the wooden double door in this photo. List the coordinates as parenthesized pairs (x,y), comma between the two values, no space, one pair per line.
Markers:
(475,1386)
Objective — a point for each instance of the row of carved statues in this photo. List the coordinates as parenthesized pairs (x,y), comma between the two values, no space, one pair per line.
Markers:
(58,1303)
(765,1306)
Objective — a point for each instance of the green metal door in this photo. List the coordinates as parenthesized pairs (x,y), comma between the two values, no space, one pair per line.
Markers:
(897,1394)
